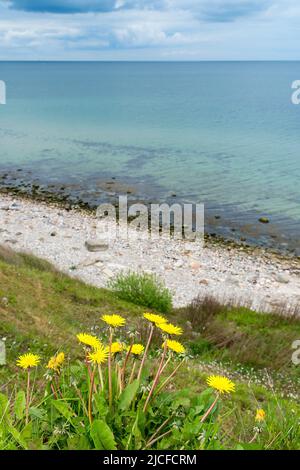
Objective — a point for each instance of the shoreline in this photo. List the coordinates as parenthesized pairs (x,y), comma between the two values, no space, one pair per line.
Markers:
(224,224)
(250,276)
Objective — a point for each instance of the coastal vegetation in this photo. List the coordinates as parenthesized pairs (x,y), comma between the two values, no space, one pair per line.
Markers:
(142,289)
(79,373)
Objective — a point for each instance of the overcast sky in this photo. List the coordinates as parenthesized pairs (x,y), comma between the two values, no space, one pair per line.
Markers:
(149,29)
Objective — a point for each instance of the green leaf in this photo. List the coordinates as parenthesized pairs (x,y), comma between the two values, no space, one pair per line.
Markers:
(20,404)
(26,432)
(4,406)
(102,436)
(101,404)
(37,413)
(64,409)
(128,395)
(78,443)
(17,436)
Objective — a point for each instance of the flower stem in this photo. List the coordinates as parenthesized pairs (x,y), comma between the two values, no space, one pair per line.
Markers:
(27,397)
(89,370)
(158,430)
(100,377)
(146,351)
(53,390)
(132,372)
(125,364)
(168,379)
(158,438)
(253,438)
(109,368)
(91,396)
(166,363)
(119,373)
(156,379)
(210,409)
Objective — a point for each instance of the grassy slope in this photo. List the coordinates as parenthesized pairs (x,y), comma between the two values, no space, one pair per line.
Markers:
(45,309)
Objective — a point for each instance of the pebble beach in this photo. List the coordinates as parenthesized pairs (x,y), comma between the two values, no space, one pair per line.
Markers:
(254,277)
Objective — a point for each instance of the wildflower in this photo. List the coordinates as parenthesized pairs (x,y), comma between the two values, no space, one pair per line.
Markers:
(136,349)
(221,384)
(56,362)
(260,415)
(174,346)
(89,340)
(170,329)
(99,356)
(28,360)
(114,320)
(116,347)
(157,319)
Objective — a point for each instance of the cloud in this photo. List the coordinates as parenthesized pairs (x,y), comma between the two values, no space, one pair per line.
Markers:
(207,10)
(84,6)
(230,10)
(221,11)
(149,29)
(65,6)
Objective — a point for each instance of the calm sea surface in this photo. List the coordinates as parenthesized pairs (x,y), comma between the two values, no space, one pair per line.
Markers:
(222,133)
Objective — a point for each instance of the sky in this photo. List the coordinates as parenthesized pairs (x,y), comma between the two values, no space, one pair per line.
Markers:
(149,30)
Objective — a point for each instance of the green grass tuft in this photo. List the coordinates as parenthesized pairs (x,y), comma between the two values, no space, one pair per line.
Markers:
(142,289)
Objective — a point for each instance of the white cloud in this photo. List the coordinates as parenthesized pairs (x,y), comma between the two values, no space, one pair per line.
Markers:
(171,29)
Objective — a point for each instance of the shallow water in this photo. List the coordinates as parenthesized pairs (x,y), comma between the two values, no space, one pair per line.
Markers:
(222,133)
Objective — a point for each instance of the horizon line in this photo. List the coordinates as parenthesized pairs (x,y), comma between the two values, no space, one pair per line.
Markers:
(148,61)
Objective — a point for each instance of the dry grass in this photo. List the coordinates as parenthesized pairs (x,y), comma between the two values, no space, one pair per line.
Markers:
(241,335)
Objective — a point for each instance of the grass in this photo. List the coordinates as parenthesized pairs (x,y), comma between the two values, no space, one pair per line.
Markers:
(142,289)
(240,335)
(42,309)
(45,308)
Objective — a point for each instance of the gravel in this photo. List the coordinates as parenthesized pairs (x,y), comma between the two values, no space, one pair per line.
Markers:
(258,279)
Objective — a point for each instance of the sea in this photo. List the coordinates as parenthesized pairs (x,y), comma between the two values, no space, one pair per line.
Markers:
(222,134)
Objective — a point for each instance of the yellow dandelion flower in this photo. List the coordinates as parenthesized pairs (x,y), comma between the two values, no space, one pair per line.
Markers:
(175,346)
(157,319)
(116,347)
(170,329)
(136,349)
(28,360)
(221,384)
(89,340)
(260,415)
(114,320)
(99,356)
(56,362)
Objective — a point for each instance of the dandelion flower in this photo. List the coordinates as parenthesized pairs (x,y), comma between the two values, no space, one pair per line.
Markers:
(170,329)
(116,347)
(28,360)
(99,356)
(56,362)
(136,349)
(174,346)
(221,384)
(157,319)
(114,320)
(260,415)
(89,340)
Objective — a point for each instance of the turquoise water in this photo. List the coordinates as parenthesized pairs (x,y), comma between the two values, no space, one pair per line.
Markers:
(222,133)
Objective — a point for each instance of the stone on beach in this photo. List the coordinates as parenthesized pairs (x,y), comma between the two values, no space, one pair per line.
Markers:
(96,245)
(282,278)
